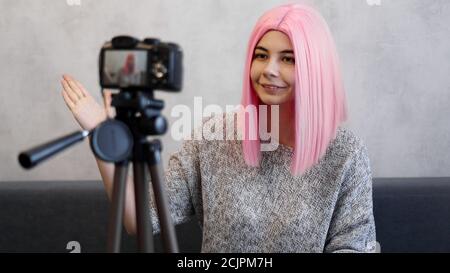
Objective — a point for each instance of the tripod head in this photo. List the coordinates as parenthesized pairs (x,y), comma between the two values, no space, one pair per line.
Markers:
(141,109)
(138,115)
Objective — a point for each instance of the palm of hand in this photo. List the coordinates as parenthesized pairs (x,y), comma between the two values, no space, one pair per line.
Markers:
(83,106)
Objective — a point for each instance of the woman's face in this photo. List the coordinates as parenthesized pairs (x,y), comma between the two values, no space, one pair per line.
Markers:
(130,60)
(273,69)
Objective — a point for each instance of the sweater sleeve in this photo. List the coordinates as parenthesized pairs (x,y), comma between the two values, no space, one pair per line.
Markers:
(182,179)
(352,227)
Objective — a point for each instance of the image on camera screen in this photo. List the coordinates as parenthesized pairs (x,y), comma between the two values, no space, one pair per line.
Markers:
(125,68)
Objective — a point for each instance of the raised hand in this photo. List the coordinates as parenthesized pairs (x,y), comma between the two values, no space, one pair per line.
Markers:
(83,106)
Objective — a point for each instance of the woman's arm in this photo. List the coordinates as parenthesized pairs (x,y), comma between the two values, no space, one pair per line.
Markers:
(107,173)
(352,227)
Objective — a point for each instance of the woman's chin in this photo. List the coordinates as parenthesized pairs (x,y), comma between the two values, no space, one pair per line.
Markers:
(273,99)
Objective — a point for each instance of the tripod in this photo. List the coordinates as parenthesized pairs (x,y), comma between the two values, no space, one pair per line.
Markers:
(138,116)
(122,140)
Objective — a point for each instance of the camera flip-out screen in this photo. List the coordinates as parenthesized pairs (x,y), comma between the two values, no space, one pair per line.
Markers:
(124,68)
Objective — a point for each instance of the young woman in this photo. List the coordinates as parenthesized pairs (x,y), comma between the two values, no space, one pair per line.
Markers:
(311,194)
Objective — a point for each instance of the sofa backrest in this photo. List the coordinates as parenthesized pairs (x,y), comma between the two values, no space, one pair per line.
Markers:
(411,215)
(66,216)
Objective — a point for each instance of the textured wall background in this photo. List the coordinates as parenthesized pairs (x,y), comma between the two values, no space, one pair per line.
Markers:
(395,60)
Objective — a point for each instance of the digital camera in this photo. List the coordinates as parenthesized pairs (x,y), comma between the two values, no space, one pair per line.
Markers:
(128,63)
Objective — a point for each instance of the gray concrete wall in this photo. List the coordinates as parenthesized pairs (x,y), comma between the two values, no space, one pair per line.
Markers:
(395,60)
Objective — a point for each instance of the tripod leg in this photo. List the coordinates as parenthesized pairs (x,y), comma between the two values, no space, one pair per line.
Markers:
(144,224)
(168,233)
(117,207)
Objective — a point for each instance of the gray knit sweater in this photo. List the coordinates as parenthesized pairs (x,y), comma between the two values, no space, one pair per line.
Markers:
(266,209)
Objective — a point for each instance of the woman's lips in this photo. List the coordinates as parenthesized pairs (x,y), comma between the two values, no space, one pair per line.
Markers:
(273,89)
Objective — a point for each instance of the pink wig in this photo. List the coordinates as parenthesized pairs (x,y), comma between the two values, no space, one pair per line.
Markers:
(320,102)
(128,67)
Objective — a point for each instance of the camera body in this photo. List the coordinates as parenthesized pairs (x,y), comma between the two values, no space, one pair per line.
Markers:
(128,63)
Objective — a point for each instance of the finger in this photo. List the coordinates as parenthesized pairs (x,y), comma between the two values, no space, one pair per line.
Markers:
(75,89)
(67,100)
(72,83)
(67,77)
(83,90)
(70,93)
(77,83)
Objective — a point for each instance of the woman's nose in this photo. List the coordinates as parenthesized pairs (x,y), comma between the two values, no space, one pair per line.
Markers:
(271,69)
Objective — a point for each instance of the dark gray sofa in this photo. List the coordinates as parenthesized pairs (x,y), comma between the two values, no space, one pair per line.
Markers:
(411,215)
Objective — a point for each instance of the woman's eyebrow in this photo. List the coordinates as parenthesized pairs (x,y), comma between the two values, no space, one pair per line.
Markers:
(264,49)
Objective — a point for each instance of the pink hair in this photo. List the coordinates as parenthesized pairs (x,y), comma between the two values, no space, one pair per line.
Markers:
(128,67)
(320,101)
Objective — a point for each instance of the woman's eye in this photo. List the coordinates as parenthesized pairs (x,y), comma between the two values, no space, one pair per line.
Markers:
(260,56)
(290,60)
